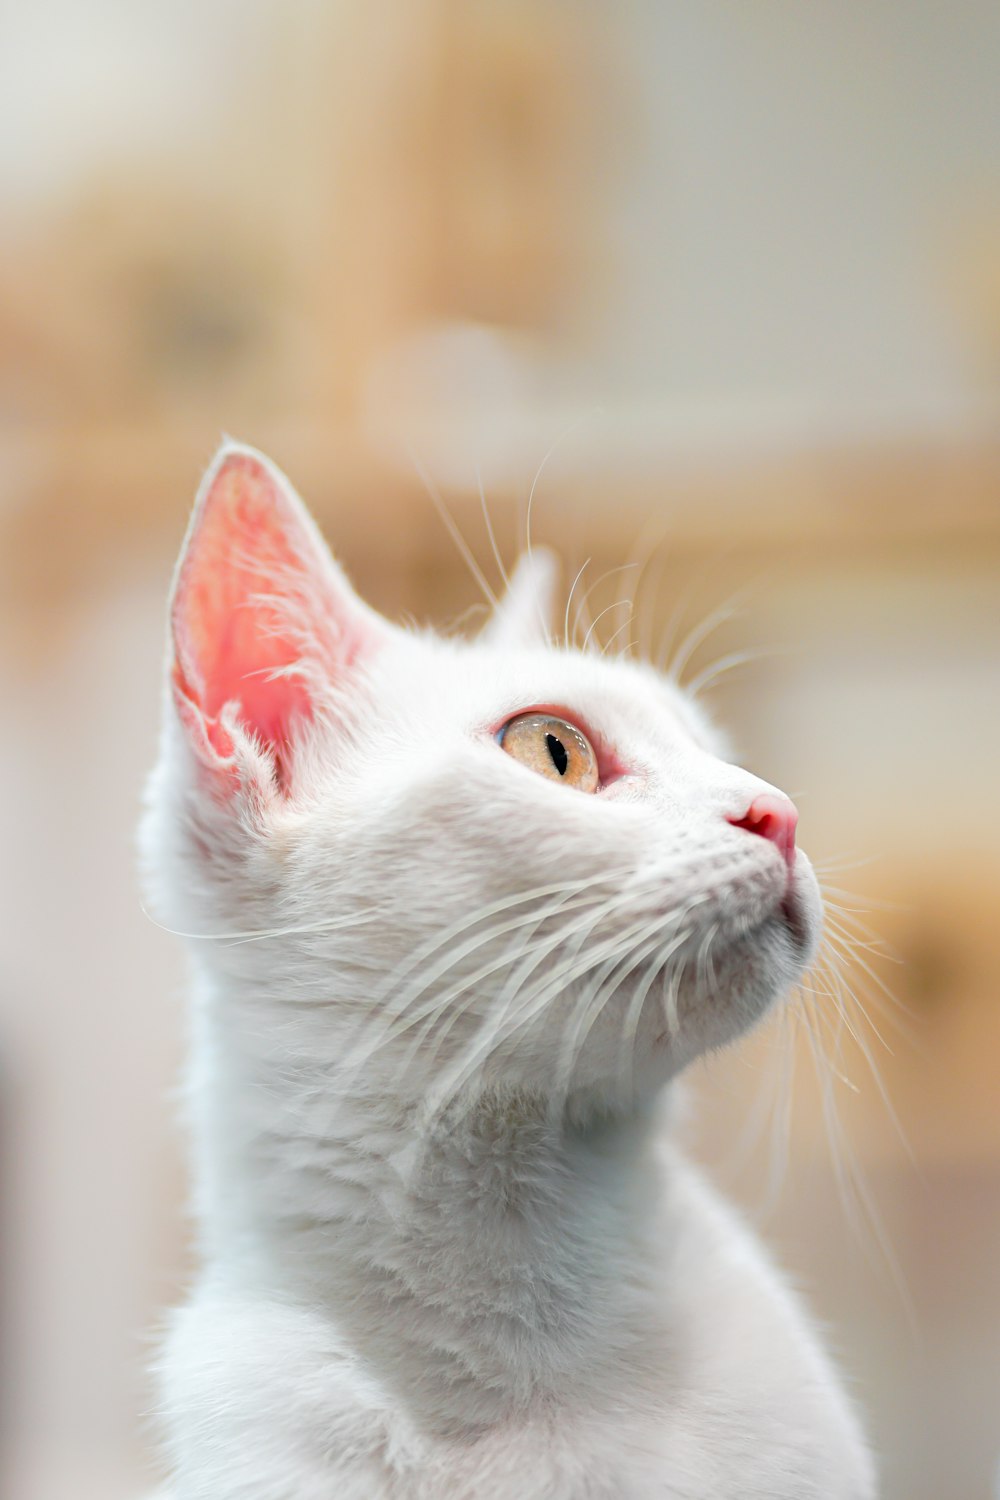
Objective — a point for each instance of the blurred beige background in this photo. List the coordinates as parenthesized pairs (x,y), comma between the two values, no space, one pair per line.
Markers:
(723,282)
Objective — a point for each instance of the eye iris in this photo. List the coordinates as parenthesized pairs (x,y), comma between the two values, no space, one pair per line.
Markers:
(557,750)
(553,747)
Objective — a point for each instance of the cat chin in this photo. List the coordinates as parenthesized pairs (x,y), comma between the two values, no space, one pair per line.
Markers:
(787,937)
(751,974)
(696,1008)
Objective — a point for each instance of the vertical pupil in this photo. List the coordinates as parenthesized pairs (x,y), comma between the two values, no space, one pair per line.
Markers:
(557,750)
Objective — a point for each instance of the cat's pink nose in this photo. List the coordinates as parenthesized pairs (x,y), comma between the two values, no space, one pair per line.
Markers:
(773,817)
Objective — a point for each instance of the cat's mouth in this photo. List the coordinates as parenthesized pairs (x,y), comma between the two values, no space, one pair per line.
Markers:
(726,984)
(794,917)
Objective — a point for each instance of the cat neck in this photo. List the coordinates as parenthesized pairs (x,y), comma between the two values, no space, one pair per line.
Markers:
(484,1267)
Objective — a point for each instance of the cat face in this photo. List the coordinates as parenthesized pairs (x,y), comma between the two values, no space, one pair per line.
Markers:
(438,863)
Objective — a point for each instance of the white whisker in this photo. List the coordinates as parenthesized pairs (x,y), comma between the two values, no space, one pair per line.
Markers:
(597,620)
(569,601)
(489,530)
(452,528)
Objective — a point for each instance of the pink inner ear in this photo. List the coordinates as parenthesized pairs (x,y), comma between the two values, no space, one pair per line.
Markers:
(249,548)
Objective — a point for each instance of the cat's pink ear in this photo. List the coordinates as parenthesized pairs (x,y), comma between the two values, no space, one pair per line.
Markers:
(261,616)
(524,615)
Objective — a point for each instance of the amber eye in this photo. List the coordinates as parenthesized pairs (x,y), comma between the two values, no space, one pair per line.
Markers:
(553,748)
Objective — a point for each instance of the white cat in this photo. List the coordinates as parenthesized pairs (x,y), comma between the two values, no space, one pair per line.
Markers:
(460,912)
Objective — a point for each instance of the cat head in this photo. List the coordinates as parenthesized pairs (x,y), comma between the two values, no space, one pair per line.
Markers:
(435,862)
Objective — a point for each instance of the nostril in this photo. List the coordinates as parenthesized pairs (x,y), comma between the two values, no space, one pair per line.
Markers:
(773,817)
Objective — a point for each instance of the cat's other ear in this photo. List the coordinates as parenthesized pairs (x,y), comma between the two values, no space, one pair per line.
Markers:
(261,618)
(525,613)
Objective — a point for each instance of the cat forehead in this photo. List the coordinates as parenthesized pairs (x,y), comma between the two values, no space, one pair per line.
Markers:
(478,683)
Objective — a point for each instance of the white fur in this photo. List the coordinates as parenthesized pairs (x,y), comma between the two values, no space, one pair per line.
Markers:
(449,1251)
